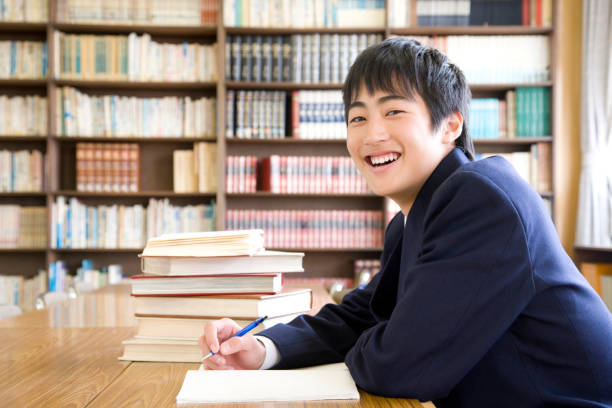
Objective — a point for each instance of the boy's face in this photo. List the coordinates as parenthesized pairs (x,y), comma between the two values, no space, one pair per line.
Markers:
(390,139)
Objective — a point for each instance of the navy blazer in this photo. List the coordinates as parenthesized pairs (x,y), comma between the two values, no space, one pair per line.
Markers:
(476,304)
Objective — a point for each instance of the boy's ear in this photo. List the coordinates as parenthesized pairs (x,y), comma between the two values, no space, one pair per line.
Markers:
(452,127)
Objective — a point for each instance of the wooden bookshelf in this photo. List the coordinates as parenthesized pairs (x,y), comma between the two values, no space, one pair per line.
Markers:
(156,152)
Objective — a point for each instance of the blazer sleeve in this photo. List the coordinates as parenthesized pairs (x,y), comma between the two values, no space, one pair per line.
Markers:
(327,336)
(472,278)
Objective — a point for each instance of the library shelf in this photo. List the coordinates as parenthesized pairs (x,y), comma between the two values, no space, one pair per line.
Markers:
(267,194)
(283,86)
(22,250)
(96,250)
(472,30)
(288,140)
(125,27)
(14,138)
(23,83)
(145,85)
(18,194)
(12,27)
(517,141)
(136,194)
(507,86)
(310,30)
(143,139)
(156,153)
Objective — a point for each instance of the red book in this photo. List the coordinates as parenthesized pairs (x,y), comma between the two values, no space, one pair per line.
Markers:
(525,10)
(201,285)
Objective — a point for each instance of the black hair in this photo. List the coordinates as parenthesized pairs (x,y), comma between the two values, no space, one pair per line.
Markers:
(405,66)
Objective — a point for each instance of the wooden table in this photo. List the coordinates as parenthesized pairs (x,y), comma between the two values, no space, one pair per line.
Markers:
(66,356)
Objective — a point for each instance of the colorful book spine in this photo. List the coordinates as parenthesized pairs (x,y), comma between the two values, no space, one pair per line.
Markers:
(312,228)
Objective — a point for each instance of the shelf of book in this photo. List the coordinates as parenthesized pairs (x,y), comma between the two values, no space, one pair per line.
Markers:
(507,87)
(145,85)
(23,83)
(289,30)
(139,194)
(19,194)
(25,139)
(22,250)
(156,152)
(17,27)
(284,86)
(516,141)
(472,30)
(95,250)
(143,139)
(266,194)
(154,29)
(285,140)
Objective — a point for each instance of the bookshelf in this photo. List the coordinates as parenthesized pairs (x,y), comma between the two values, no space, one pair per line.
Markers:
(155,166)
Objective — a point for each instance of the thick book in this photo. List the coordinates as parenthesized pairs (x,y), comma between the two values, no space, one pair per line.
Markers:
(324,382)
(214,243)
(168,350)
(246,307)
(191,328)
(151,285)
(262,262)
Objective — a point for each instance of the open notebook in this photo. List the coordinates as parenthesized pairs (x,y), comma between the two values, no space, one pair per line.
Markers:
(326,382)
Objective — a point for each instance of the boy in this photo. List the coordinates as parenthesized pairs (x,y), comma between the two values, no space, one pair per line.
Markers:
(476,303)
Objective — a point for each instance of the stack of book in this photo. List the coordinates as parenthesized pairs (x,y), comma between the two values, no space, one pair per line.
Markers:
(190,279)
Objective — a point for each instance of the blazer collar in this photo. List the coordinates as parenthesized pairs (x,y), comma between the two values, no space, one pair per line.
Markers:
(455,159)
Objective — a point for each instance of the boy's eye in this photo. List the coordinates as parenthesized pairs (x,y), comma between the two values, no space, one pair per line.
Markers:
(357,119)
(394,112)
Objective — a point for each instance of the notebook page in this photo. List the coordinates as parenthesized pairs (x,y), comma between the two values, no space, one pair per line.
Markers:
(332,381)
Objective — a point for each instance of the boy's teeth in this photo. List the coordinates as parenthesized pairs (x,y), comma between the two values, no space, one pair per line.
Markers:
(383,159)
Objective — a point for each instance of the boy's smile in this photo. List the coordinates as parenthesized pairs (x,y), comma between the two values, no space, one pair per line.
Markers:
(392,144)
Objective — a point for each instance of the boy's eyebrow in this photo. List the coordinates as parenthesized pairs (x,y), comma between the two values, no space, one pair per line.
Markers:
(380,101)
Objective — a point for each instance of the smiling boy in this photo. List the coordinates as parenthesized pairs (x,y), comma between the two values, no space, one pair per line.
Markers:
(476,303)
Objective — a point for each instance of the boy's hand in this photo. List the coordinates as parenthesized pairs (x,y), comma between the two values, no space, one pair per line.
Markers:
(231,353)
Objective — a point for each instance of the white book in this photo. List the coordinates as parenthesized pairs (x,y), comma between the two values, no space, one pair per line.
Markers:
(326,382)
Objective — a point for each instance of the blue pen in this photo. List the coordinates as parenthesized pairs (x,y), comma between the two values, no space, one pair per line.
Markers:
(242,332)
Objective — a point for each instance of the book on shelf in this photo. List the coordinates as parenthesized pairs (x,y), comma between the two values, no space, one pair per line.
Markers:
(261,262)
(80,114)
(311,174)
(30,11)
(110,167)
(132,58)
(76,225)
(241,174)
(162,327)
(304,14)
(422,13)
(182,13)
(246,306)
(511,59)
(212,243)
(312,228)
(301,58)
(23,227)
(23,59)
(23,115)
(22,170)
(195,170)
(323,382)
(229,284)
